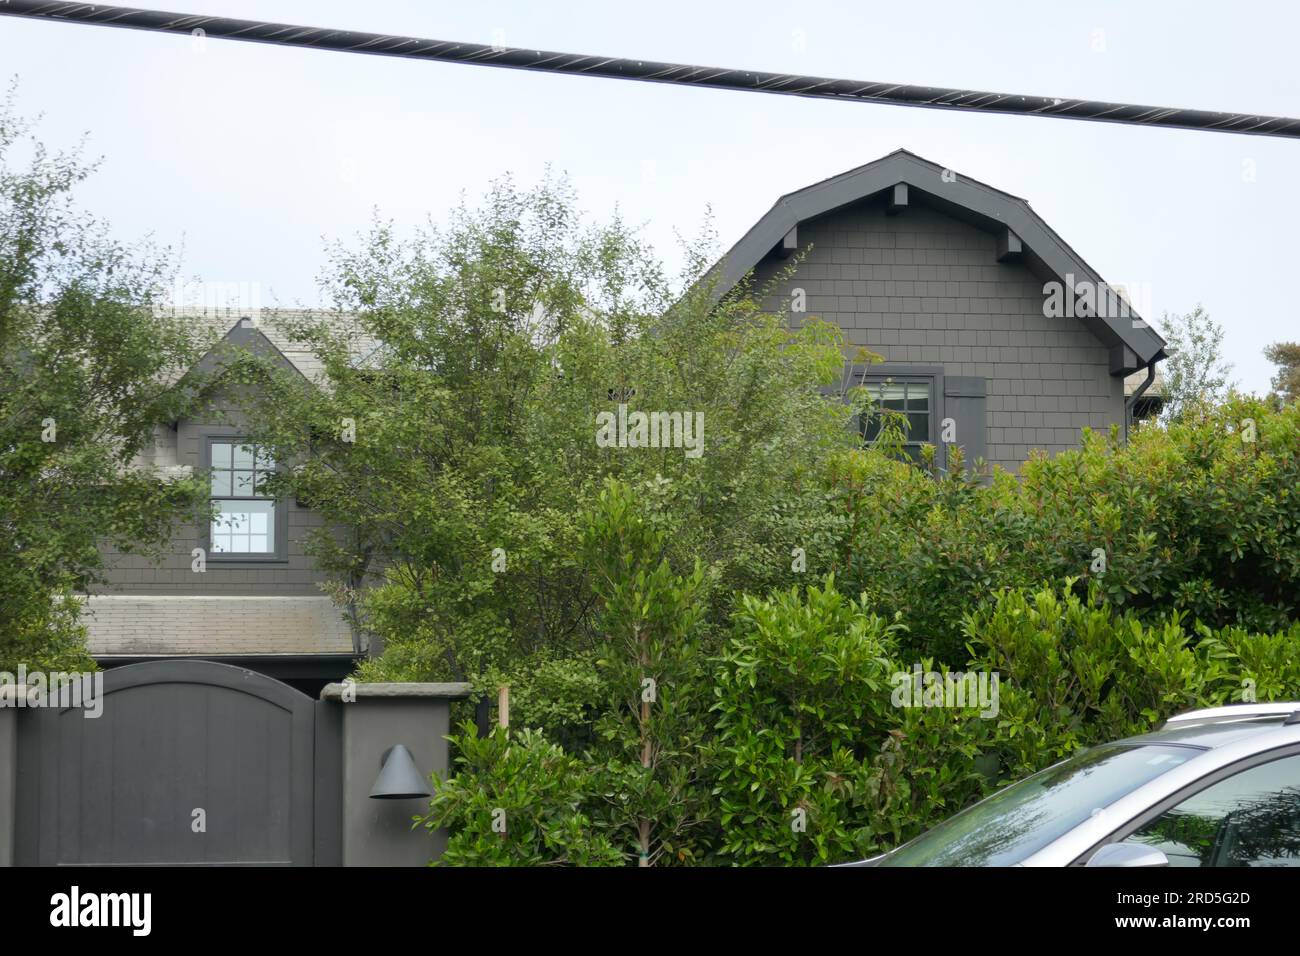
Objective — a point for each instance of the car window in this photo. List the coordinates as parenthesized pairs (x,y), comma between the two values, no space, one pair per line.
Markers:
(1249,819)
(1025,817)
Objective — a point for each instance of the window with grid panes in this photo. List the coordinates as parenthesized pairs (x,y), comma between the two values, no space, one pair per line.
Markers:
(911,397)
(244,519)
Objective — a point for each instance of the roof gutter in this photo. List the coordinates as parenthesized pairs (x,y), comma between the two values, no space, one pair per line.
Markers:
(1138,392)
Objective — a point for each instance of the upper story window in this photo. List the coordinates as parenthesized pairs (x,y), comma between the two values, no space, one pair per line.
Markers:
(912,398)
(244,519)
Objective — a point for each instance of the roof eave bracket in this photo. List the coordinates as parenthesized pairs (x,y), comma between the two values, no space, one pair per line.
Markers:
(788,244)
(1009,246)
(897,200)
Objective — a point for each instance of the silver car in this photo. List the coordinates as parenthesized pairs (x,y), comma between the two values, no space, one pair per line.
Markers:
(1214,787)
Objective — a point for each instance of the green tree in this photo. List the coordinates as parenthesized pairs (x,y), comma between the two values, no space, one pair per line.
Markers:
(649,619)
(510,338)
(1195,373)
(84,366)
(1286,356)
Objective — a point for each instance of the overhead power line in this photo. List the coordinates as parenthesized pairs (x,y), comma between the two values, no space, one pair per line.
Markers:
(788,84)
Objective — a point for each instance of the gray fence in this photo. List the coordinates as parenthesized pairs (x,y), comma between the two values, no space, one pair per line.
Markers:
(196,762)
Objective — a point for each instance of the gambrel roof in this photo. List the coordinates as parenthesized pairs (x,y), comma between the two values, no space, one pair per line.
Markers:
(905,178)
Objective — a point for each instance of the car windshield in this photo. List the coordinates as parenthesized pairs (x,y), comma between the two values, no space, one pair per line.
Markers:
(1026,816)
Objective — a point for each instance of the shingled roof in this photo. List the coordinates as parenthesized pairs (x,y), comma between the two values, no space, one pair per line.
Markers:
(270,327)
(149,625)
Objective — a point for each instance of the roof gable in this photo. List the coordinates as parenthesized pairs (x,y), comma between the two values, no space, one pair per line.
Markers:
(243,339)
(1022,234)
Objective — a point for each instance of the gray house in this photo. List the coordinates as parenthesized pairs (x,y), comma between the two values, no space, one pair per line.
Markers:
(996,335)
(240,589)
(193,761)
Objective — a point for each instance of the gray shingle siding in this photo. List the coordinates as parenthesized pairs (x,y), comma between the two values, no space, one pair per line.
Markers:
(134,574)
(922,288)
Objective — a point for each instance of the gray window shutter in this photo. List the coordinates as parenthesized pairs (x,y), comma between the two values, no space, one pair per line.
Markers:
(964,399)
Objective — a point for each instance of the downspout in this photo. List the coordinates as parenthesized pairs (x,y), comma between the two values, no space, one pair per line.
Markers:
(1132,399)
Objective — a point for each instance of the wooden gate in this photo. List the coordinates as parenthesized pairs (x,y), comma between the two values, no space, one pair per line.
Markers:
(190,762)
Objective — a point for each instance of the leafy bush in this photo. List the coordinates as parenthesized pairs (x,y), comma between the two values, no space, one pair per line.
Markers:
(516,800)
(1076,672)
(805,722)
(1195,518)
(924,548)
(562,696)
(810,761)
(799,690)
(778,741)
(1256,666)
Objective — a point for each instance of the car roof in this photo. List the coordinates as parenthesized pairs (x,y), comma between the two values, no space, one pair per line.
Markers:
(1218,726)
(1209,734)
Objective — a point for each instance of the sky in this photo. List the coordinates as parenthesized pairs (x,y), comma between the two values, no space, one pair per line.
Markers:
(251,158)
